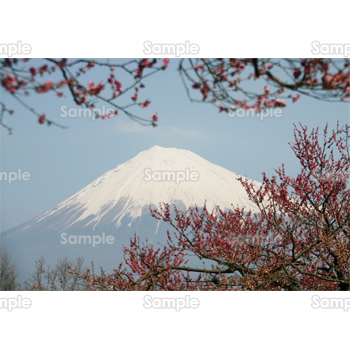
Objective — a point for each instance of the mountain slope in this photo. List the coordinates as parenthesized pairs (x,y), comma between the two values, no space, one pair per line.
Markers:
(117,203)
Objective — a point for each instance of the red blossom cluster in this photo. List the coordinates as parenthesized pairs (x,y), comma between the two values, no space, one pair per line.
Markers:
(11,84)
(224,82)
(19,78)
(298,241)
(142,65)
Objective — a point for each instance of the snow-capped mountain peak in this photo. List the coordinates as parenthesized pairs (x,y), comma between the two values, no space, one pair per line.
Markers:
(159,174)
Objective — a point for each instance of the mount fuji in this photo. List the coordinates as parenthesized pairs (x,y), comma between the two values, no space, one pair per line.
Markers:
(117,204)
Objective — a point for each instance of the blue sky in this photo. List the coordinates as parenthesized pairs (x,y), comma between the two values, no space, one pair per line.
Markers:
(63,161)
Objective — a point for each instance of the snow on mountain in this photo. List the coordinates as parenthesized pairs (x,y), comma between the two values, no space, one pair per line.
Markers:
(117,203)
